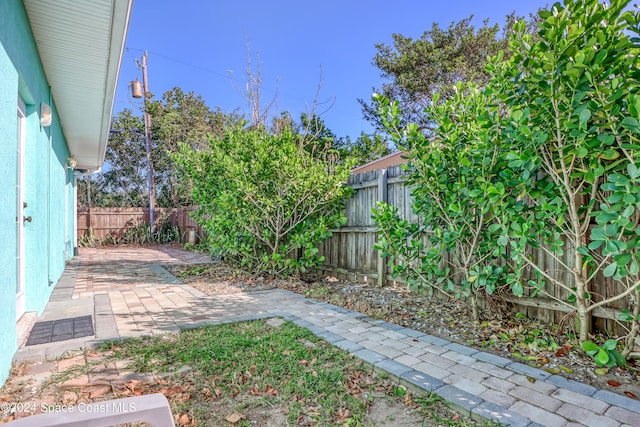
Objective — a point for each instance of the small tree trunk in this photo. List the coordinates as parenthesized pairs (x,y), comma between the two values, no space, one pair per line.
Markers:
(473,296)
(474,305)
(630,339)
(583,313)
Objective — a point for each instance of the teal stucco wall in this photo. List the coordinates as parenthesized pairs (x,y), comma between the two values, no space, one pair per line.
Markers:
(48,183)
(8,231)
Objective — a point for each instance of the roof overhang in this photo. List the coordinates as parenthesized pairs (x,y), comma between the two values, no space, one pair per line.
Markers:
(81,43)
(393,159)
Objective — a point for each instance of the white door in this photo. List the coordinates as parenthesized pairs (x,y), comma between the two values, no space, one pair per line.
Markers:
(20,296)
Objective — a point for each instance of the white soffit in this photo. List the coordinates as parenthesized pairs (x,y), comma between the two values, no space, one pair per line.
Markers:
(81,43)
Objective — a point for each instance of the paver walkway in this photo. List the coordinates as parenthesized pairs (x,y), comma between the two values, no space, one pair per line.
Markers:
(130,294)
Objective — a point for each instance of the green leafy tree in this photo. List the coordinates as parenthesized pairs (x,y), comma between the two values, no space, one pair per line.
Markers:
(364,149)
(89,193)
(574,112)
(180,117)
(564,112)
(314,134)
(123,181)
(265,200)
(434,63)
(455,178)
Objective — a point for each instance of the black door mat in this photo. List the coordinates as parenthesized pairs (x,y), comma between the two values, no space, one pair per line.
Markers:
(60,330)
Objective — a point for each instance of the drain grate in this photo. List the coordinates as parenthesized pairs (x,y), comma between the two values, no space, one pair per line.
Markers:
(60,330)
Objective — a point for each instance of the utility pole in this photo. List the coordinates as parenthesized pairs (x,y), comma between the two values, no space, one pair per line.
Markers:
(147,137)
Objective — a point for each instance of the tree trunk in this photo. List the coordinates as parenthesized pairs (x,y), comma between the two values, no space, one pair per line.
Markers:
(583,316)
(474,305)
(473,295)
(630,339)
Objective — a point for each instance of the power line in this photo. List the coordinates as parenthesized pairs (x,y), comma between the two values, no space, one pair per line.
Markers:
(188,64)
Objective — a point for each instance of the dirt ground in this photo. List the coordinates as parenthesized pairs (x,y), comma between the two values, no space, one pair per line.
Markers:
(503,333)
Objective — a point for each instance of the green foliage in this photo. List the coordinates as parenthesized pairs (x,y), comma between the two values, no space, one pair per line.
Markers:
(606,354)
(456,180)
(573,103)
(89,240)
(264,199)
(548,160)
(177,117)
(184,118)
(416,69)
(124,179)
(168,233)
(363,150)
(359,152)
(200,247)
(403,245)
(180,117)
(135,234)
(138,234)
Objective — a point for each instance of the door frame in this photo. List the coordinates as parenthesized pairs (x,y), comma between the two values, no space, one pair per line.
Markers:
(20,205)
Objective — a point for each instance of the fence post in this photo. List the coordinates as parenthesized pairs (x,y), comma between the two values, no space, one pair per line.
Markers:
(382,197)
(89,228)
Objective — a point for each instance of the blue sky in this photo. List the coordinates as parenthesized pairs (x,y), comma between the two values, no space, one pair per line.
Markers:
(201,46)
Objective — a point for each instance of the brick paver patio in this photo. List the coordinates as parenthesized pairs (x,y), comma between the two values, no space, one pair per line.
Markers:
(128,293)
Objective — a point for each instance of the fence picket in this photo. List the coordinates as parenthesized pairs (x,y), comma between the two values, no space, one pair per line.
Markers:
(115,221)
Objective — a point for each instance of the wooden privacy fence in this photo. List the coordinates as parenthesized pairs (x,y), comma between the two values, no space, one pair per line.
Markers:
(349,253)
(116,221)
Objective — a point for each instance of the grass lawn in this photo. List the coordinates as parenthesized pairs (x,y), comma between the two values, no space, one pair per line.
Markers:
(273,373)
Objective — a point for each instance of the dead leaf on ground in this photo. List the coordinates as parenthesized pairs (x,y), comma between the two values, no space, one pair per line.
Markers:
(613,383)
(171,391)
(408,399)
(343,415)
(184,419)
(631,395)
(135,387)
(270,391)
(234,418)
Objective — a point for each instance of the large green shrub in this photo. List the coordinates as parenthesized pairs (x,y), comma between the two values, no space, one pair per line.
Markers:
(266,200)
(574,111)
(456,178)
